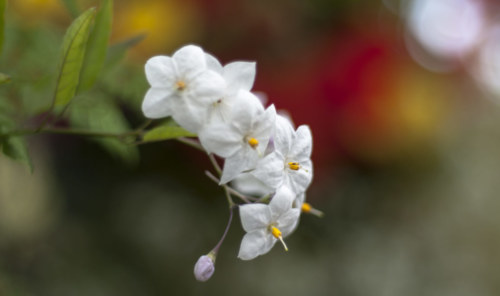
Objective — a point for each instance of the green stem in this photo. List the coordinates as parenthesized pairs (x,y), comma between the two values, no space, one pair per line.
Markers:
(76,132)
(229,190)
(190,142)
(215,164)
(64,131)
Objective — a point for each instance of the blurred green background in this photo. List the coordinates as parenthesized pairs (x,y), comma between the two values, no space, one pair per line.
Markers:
(406,154)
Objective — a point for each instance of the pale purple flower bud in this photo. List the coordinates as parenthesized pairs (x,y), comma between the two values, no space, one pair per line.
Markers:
(204,268)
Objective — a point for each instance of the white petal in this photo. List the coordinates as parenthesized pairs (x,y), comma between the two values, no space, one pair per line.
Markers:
(249,156)
(264,127)
(299,200)
(270,241)
(283,135)
(220,112)
(255,243)
(190,60)
(233,166)
(255,216)
(207,84)
(262,97)
(299,180)
(213,64)
(157,102)
(281,202)
(239,75)
(245,111)
(160,71)
(248,184)
(302,146)
(288,221)
(270,170)
(189,115)
(220,139)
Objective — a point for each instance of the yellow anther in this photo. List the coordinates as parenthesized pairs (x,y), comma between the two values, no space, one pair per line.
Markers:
(306,208)
(180,85)
(294,166)
(253,142)
(277,234)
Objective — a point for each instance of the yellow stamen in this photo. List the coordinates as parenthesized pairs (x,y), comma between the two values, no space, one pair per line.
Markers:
(294,166)
(306,208)
(180,85)
(277,234)
(253,142)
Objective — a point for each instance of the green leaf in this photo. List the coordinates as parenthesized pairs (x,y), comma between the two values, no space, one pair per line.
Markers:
(72,7)
(97,46)
(117,51)
(166,132)
(95,113)
(3,4)
(16,149)
(4,78)
(6,123)
(73,53)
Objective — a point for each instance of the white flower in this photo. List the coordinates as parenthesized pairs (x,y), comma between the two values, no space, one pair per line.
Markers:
(266,224)
(182,87)
(243,139)
(238,76)
(290,164)
(248,184)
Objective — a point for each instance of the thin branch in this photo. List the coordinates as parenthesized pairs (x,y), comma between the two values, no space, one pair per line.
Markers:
(190,142)
(228,189)
(215,164)
(241,196)
(228,196)
(217,247)
(141,127)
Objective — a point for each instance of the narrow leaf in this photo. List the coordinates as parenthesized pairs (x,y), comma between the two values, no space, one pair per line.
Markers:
(3,4)
(166,132)
(16,149)
(97,114)
(97,46)
(4,78)
(73,53)
(117,51)
(72,7)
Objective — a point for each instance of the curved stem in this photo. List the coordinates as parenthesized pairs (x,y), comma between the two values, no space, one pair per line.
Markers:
(217,247)
(76,132)
(215,164)
(229,190)
(191,142)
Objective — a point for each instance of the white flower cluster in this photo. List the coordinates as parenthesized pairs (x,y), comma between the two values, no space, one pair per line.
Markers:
(257,144)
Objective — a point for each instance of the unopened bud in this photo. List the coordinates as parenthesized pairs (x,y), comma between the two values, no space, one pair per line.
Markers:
(204,268)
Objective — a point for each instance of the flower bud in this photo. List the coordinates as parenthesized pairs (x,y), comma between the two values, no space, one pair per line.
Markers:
(204,268)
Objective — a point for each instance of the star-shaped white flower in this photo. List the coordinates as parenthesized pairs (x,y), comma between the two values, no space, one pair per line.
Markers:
(238,76)
(266,224)
(290,163)
(243,139)
(182,87)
